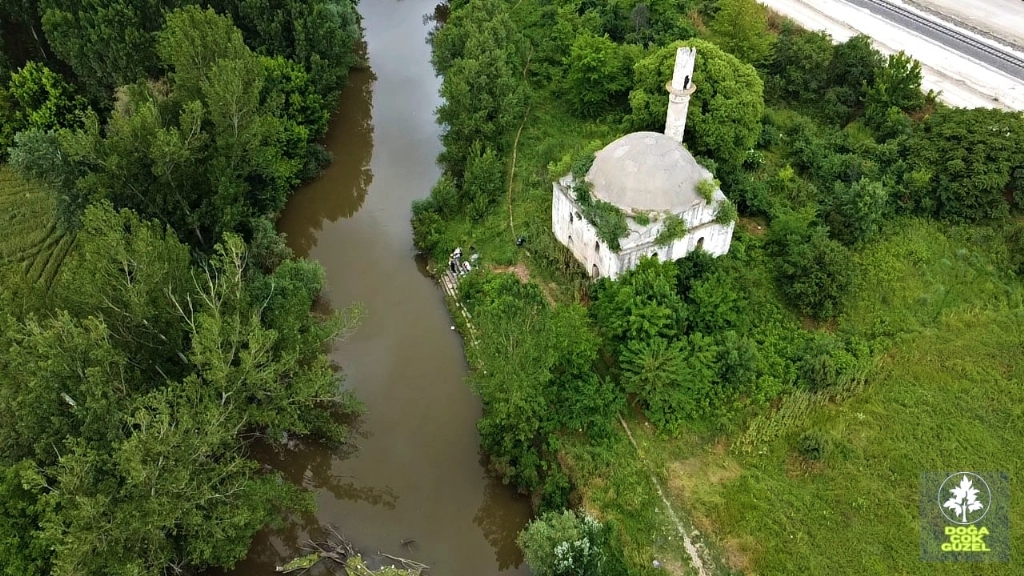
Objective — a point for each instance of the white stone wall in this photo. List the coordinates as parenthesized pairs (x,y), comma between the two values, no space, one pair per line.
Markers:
(577,234)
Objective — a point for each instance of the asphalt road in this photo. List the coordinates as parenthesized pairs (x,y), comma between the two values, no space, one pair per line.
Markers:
(952,39)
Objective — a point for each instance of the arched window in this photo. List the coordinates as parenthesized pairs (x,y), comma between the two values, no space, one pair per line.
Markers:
(594,271)
(597,246)
(700,243)
(686,82)
(570,217)
(577,215)
(570,240)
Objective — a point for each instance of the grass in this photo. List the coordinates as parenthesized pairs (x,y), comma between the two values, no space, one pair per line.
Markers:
(548,135)
(945,395)
(32,247)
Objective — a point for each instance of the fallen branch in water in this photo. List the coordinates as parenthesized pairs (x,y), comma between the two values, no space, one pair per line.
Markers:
(409,564)
(341,551)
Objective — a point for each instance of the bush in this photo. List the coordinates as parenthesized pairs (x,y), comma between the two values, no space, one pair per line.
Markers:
(563,544)
(814,445)
(817,275)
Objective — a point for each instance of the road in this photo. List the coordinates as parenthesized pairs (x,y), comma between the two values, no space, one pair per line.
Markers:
(948,36)
(966,69)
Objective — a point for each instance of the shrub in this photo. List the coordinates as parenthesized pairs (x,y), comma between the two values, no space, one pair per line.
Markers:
(673,228)
(706,189)
(727,213)
(563,544)
(817,275)
(814,445)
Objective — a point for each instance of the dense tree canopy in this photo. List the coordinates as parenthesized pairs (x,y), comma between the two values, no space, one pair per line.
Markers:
(725,111)
(741,29)
(969,158)
(482,54)
(123,417)
(206,152)
(175,327)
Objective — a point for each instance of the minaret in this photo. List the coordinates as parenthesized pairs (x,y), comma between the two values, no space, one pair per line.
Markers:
(679,91)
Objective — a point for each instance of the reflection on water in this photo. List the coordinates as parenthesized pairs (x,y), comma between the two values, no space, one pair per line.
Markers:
(494,521)
(350,140)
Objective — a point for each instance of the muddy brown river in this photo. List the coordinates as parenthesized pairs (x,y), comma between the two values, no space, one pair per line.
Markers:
(417,475)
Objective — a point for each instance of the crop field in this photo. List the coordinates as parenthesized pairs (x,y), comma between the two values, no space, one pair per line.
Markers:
(31,244)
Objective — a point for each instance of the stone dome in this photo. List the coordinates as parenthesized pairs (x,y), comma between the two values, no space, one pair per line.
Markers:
(646,171)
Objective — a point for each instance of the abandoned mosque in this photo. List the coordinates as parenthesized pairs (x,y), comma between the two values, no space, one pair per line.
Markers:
(656,183)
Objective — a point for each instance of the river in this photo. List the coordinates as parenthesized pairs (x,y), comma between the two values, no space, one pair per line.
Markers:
(417,473)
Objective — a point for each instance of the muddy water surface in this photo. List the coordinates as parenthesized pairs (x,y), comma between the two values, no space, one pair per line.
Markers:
(417,474)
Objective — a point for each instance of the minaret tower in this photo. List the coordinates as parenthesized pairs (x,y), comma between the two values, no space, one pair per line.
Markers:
(679,91)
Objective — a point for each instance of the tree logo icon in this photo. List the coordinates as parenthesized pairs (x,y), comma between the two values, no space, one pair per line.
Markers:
(964,498)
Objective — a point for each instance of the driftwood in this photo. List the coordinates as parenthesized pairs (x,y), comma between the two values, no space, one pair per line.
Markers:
(406,563)
(339,550)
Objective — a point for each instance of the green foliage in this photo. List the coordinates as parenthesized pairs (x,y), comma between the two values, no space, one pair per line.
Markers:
(673,227)
(160,382)
(897,84)
(741,29)
(855,64)
(855,213)
(107,43)
(967,158)
(37,98)
(726,213)
(725,111)
(481,53)
(606,218)
(208,158)
(815,272)
(484,183)
(526,357)
(321,36)
(800,68)
(706,189)
(599,75)
(563,544)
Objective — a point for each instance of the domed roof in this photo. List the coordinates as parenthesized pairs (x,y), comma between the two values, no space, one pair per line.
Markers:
(646,171)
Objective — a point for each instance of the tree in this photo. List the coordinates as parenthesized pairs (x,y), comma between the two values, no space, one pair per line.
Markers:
(320,35)
(37,98)
(563,544)
(855,63)
(485,180)
(128,466)
(741,29)
(206,157)
(968,159)
(108,43)
(817,275)
(896,85)
(725,111)
(801,66)
(481,54)
(855,212)
(599,74)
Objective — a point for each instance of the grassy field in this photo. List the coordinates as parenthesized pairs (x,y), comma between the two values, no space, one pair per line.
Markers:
(945,395)
(31,245)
